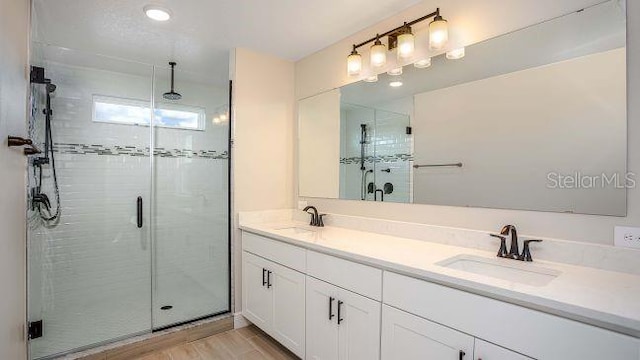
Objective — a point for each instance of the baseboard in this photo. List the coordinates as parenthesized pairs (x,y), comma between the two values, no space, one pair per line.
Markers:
(240,321)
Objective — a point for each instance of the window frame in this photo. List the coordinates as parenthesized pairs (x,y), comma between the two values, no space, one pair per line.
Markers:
(146,105)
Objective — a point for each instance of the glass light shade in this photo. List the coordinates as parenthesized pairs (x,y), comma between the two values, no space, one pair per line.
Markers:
(438,34)
(354,64)
(422,64)
(406,45)
(378,55)
(395,72)
(456,54)
(371,79)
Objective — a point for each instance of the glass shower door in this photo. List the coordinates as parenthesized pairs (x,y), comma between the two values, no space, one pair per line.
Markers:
(90,271)
(190,199)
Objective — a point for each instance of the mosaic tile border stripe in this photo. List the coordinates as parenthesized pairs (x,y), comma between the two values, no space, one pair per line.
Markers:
(377,159)
(117,150)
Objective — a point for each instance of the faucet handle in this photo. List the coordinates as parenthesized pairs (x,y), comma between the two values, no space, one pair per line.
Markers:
(502,252)
(526,251)
(320,221)
(313,218)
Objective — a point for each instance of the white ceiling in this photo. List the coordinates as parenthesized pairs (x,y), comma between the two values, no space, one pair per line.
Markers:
(201,32)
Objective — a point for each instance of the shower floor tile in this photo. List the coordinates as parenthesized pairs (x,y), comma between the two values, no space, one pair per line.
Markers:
(247,343)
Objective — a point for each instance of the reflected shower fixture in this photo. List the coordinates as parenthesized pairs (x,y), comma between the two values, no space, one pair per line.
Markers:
(402,39)
(172,95)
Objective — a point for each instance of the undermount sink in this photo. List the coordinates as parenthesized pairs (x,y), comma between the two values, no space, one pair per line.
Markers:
(294,230)
(504,269)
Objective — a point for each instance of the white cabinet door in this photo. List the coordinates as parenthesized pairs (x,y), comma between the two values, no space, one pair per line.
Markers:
(322,328)
(288,289)
(359,327)
(488,351)
(408,337)
(256,297)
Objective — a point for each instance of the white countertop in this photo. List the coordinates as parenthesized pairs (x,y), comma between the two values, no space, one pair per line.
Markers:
(598,297)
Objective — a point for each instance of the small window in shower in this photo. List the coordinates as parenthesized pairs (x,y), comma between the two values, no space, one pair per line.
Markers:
(115,110)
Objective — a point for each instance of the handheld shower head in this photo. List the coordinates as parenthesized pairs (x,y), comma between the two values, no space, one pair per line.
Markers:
(172,95)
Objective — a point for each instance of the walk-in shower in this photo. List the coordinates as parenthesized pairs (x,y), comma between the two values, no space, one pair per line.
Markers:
(129,229)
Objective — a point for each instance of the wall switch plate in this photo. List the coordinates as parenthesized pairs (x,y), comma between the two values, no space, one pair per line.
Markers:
(302,204)
(629,237)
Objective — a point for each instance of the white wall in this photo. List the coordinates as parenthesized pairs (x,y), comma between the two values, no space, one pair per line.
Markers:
(565,117)
(319,140)
(483,19)
(263,136)
(14,40)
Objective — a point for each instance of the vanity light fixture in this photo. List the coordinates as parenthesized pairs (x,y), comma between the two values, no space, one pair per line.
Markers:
(371,79)
(422,64)
(395,72)
(157,13)
(438,33)
(354,63)
(456,54)
(378,54)
(401,38)
(406,42)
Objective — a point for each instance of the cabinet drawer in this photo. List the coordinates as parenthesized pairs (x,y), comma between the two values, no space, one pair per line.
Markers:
(361,279)
(534,333)
(276,251)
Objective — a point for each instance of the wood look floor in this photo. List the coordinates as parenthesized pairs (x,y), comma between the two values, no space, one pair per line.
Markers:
(248,343)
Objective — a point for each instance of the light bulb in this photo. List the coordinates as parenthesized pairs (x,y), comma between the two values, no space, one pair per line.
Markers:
(422,64)
(406,44)
(395,72)
(456,54)
(157,13)
(438,33)
(378,54)
(371,79)
(354,63)
(396,83)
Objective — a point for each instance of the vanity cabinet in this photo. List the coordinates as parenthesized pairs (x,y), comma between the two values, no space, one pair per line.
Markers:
(274,300)
(340,324)
(409,337)
(487,351)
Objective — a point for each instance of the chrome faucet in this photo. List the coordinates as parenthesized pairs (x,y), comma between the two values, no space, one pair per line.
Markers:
(316,219)
(514,252)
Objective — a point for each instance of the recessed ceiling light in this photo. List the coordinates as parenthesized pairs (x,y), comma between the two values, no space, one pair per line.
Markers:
(157,13)
(396,83)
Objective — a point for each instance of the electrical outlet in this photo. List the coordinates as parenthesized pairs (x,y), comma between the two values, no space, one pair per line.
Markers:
(627,237)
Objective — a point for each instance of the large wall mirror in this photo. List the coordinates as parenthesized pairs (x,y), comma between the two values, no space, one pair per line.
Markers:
(534,120)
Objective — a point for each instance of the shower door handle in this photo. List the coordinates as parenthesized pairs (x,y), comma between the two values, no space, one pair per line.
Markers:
(139,203)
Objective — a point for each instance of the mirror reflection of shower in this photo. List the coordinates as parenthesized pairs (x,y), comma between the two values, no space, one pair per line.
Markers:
(364,188)
(40,200)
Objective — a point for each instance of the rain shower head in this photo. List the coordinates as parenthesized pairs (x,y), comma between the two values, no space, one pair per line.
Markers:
(172,95)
